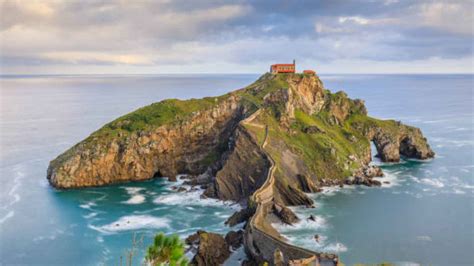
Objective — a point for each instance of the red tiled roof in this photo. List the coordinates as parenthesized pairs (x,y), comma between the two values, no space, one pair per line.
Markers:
(283,65)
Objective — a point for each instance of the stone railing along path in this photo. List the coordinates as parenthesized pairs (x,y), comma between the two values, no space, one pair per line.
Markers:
(261,239)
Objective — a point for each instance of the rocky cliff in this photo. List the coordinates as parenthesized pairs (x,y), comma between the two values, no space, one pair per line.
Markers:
(163,139)
(283,127)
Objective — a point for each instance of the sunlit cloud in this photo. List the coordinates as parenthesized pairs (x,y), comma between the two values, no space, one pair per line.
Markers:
(243,36)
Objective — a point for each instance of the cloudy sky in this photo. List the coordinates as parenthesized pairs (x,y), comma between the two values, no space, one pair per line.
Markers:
(164,36)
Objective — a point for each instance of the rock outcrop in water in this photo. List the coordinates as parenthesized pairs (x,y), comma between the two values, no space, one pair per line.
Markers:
(264,146)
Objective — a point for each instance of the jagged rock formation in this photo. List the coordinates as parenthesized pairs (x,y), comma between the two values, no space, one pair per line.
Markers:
(162,139)
(212,248)
(263,146)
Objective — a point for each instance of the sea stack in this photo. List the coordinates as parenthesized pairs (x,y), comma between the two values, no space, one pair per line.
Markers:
(263,146)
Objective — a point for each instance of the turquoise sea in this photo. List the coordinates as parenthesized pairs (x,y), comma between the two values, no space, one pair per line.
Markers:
(424,216)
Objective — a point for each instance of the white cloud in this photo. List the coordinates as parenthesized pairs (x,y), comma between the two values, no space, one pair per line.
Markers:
(97,57)
(453,17)
(356,19)
(170,36)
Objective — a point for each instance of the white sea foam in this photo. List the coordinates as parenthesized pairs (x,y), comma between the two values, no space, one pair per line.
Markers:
(90,215)
(432,182)
(335,248)
(434,121)
(428,172)
(330,191)
(88,205)
(9,215)
(307,241)
(464,170)
(192,198)
(13,191)
(135,196)
(390,177)
(304,223)
(133,222)
(133,190)
(102,195)
(136,199)
(414,178)
(423,238)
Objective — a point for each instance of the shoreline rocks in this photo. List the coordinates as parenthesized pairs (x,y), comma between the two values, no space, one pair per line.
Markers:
(212,249)
(285,214)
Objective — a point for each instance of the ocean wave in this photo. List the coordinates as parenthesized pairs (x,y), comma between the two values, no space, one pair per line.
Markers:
(391,178)
(330,191)
(464,170)
(9,215)
(458,191)
(135,196)
(432,182)
(423,238)
(307,241)
(133,222)
(303,224)
(133,190)
(335,248)
(13,192)
(88,205)
(312,244)
(136,199)
(435,121)
(452,142)
(192,198)
(90,215)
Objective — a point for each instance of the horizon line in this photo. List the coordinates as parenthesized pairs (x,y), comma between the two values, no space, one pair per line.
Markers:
(231,73)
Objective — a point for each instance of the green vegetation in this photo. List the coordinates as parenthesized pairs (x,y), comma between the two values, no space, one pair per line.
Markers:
(156,114)
(254,94)
(166,251)
(172,111)
(325,153)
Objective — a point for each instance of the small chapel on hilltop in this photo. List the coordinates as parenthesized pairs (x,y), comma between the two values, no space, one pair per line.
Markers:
(288,68)
(283,68)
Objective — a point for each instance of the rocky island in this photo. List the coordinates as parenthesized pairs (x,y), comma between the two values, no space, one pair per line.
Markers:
(263,146)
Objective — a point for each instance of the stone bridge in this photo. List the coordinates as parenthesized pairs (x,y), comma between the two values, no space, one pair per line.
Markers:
(261,239)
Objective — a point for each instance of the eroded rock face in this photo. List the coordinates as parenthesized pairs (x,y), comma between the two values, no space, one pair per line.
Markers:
(302,93)
(292,196)
(212,250)
(234,239)
(308,94)
(244,171)
(404,141)
(240,216)
(164,151)
(285,214)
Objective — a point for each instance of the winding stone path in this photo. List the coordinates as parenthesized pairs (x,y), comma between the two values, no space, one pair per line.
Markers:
(261,239)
